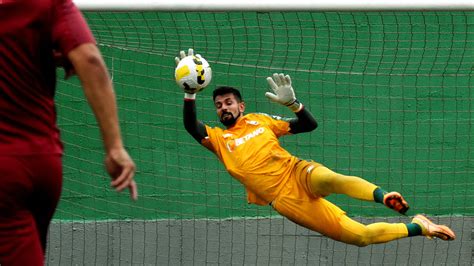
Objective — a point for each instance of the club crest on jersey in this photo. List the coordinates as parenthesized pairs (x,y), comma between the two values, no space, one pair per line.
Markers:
(252,122)
(234,143)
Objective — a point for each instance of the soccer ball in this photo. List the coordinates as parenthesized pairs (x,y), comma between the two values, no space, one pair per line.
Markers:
(193,73)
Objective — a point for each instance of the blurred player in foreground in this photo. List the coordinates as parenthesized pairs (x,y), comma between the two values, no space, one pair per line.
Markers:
(34,37)
(295,188)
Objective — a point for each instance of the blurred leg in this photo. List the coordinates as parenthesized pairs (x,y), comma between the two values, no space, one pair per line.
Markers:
(47,191)
(19,239)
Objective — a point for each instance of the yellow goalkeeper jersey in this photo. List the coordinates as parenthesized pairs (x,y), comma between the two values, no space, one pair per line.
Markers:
(252,154)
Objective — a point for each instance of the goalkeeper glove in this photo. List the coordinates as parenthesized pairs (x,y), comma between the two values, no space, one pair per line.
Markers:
(283,92)
(182,55)
(188,94)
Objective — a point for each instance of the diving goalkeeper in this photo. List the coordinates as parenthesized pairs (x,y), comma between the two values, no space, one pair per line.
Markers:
(295,188)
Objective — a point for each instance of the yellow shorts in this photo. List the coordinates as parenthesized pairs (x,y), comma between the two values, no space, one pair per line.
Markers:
(300,205)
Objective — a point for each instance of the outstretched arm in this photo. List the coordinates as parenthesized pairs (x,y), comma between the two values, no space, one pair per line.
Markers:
(194,127)
(284,94)
(90,67)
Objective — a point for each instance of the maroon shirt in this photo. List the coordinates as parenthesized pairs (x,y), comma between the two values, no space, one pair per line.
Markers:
(29,31)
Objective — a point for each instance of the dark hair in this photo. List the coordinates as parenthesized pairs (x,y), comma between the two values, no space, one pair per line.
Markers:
(221,90)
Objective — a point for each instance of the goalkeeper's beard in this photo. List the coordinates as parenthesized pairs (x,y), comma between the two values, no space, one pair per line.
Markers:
(229,121)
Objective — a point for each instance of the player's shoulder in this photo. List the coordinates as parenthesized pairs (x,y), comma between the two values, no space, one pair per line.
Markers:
(213,128)
(258,116)
(265,116)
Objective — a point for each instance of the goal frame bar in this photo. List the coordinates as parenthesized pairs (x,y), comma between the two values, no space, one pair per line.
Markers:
(275,5)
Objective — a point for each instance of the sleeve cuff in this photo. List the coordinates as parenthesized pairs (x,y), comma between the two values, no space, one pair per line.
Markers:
(296,106)
(189,96)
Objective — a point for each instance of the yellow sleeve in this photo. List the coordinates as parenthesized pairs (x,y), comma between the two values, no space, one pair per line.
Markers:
(210,141)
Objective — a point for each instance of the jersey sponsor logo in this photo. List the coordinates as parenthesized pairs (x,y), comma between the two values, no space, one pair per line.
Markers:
(234,143)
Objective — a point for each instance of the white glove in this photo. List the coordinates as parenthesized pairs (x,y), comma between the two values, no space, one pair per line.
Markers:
(182,54)
(283,91)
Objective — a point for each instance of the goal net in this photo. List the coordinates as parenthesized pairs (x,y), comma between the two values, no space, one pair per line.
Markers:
(392,92)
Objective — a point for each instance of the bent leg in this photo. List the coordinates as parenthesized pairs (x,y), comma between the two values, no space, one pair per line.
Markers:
(324,182)
(302,202)
(355,233)
(326,218)
(316,214)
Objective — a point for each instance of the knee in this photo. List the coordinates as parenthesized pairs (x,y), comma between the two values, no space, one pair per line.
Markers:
(361,241)
(360,238)
(322,184)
